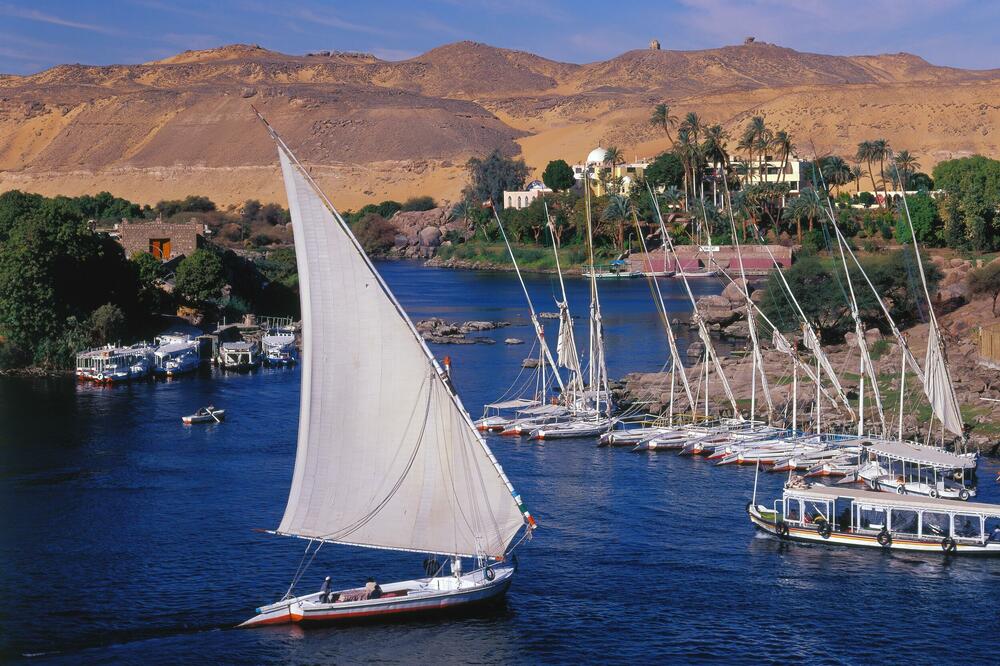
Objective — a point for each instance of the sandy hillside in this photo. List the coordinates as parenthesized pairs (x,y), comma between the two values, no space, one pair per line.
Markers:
(374,129)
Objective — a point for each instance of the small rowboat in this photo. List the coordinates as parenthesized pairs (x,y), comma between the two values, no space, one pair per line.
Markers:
(205,415)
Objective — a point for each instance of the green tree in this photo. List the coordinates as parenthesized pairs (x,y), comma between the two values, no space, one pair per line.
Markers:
(375,233)
(250,211)
(54,272)
(926,222)
(618,212)
(921,181)
(107,324)
(972,196)
(147,267)
(558,175)
(490,176)
(986,280)
(200,277)
(419,203)
(665,171)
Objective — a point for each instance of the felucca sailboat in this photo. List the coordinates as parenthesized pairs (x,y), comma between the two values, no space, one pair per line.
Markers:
(387,456)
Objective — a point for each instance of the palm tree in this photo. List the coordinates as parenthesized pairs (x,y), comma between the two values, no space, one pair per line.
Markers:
(692,123)
(857,173)
(619,212)
(906,166)
(714,150)
(663,119)
(755,136)
(866,154)
(835,171)
(613,156)
(880,151)
(805,206)
(672,196)
(685,148)
(783,143)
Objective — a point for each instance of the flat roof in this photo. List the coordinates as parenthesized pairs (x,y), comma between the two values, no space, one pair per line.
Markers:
(893,500)
(919,453)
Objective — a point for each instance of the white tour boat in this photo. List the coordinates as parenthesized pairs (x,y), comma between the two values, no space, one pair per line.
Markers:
(916,469)
(387,456)
(850,517)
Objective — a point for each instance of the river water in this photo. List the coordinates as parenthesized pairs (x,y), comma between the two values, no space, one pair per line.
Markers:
(127,537)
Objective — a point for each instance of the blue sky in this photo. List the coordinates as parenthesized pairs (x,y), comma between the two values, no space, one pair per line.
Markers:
(36,35)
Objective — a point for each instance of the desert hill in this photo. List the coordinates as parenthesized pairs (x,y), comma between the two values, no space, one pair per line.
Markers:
(373,129)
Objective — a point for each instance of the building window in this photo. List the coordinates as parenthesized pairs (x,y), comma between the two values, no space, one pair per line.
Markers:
(510,201)
(518,201)
(793,185)
(160,248)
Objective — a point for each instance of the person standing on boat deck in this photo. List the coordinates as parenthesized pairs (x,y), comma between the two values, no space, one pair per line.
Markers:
(995,535)
(324,591)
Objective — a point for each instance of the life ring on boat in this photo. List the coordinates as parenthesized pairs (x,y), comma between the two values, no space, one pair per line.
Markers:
(900,489)
(876,486)
(948,545)
(933,493)
(884,538)
(825,529)
(489,573)
(963,494)
(783,530)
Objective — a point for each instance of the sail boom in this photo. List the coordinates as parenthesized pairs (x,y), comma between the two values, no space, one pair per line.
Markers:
(379,547)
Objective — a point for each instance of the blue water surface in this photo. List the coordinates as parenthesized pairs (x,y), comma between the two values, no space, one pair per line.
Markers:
(128,537)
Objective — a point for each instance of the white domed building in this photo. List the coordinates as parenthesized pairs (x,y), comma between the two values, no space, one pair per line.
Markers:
(601,172)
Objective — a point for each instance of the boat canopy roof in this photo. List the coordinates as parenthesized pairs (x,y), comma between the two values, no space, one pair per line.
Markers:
(175,347)
(512,404)
(278,339)
(890,500)
(921,454)
(545,410)
(237,346)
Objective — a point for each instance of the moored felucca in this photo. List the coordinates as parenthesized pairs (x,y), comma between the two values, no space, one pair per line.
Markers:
(391,461)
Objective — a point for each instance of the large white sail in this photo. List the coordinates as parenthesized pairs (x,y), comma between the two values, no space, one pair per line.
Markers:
(387,456)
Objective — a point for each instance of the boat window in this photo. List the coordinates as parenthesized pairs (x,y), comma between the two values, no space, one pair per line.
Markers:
(993,528)
(935,524)
(967,527)
(871,518)
(816,509)
(904,521)
(793,509)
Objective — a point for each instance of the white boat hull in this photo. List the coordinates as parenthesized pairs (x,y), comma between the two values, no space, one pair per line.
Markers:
(409,597)
(871,540)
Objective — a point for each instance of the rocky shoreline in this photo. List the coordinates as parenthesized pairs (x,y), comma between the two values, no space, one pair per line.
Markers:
(439,331)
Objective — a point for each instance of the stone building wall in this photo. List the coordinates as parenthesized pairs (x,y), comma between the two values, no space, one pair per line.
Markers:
(162,240)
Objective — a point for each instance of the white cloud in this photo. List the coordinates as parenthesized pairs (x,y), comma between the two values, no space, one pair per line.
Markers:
(35,15)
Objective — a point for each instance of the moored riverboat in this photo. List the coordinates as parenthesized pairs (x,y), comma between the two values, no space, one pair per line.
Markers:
(852,517)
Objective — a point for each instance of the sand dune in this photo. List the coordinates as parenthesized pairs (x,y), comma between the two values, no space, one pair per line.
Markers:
(374,129)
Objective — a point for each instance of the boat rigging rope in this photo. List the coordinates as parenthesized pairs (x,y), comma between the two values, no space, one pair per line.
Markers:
(302,569)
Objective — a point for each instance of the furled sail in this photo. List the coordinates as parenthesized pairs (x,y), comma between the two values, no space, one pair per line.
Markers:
(387,456)
(938,386)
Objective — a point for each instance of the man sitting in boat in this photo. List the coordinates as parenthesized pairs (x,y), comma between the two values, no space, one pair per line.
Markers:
(371,590)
